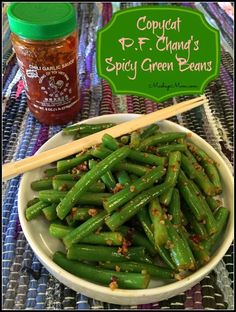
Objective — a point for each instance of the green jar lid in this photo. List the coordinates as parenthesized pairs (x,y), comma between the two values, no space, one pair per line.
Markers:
(41,21)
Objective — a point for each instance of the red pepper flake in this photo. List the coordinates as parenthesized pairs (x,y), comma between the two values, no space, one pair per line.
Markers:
(113,285)
(63,188)
(132,188)
(73,211)
(174,168)
(189,135)
(195,238)
(117,188)
(109,242)
(155,212)
(92,212)
(82,167)
(117,268)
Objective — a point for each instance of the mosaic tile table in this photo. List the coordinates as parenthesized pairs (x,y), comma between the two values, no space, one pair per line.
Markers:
(35,288)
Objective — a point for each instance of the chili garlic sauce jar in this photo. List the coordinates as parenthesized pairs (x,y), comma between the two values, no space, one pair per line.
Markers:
(45,41)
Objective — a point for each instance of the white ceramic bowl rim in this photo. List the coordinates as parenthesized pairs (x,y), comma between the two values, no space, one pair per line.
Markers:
(199,274)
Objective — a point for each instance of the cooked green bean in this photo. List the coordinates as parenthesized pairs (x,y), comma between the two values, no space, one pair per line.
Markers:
(213,203)
(155,271)
(88,179)
(137,239)
(174,208)
(210,221)
(59,230)
(162,251)
(196,172)
(198,227)
(209,166)
(100,151)
(148,131)
(180,252)
(52,196)
(131,208)
(42,184)
(50,172)
(157,217)
(123,177)
(166,149)
(129,192)
(107,178)
(134,140)
(125,139)
(147,158)
(160,138)
(86,128)
(221,215)
(101,276)
(131,168)
(32,202)
(69,176)
(66,164)
(35,210)
(190,197)
(110,142)
(65,185)
(82,213)
(50,212)
(171,176)
(86,228)
(84,252)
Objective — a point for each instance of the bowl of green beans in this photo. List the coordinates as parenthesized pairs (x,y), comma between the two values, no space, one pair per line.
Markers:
(134,220)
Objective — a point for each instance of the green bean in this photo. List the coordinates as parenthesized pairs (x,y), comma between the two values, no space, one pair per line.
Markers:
(86,128)
(107,178)
(137,239)
(100,152)
(66,164)
(157,217)
(149,131)
(221,215)
(155,271)
(131,168)
(199,252)
(81,214)
(52,196)
(171,176)
(129,192)
(32,202)
(160,138)
(50,172)
(174,208)
(65,185)
(125,139)
(88,179)
(162,251)
(166,149)
(59,230)
(196,172)
(69,176)
(214,204)
(78,135)
(35,210)
(123,177)
(133,177)
(190,197)
(84,252)
(101,276)
(134,140)
(196,226)
(209,165)
(102,238)
(42,184)
(50,212)
(110,142)
(132,207)
(147,158)
(211,225)
(86,228)
(180,254)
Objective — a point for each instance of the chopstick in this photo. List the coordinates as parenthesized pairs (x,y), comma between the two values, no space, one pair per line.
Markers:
(10,170)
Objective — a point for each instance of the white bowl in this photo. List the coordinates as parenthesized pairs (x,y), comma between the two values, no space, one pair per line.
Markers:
(36,231)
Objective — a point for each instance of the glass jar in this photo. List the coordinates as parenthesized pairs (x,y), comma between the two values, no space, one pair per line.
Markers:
(45,41)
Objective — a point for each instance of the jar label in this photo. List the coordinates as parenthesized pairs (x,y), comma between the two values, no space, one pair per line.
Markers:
(51,87)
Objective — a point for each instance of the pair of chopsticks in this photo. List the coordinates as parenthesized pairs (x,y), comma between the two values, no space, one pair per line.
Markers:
(10,170)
